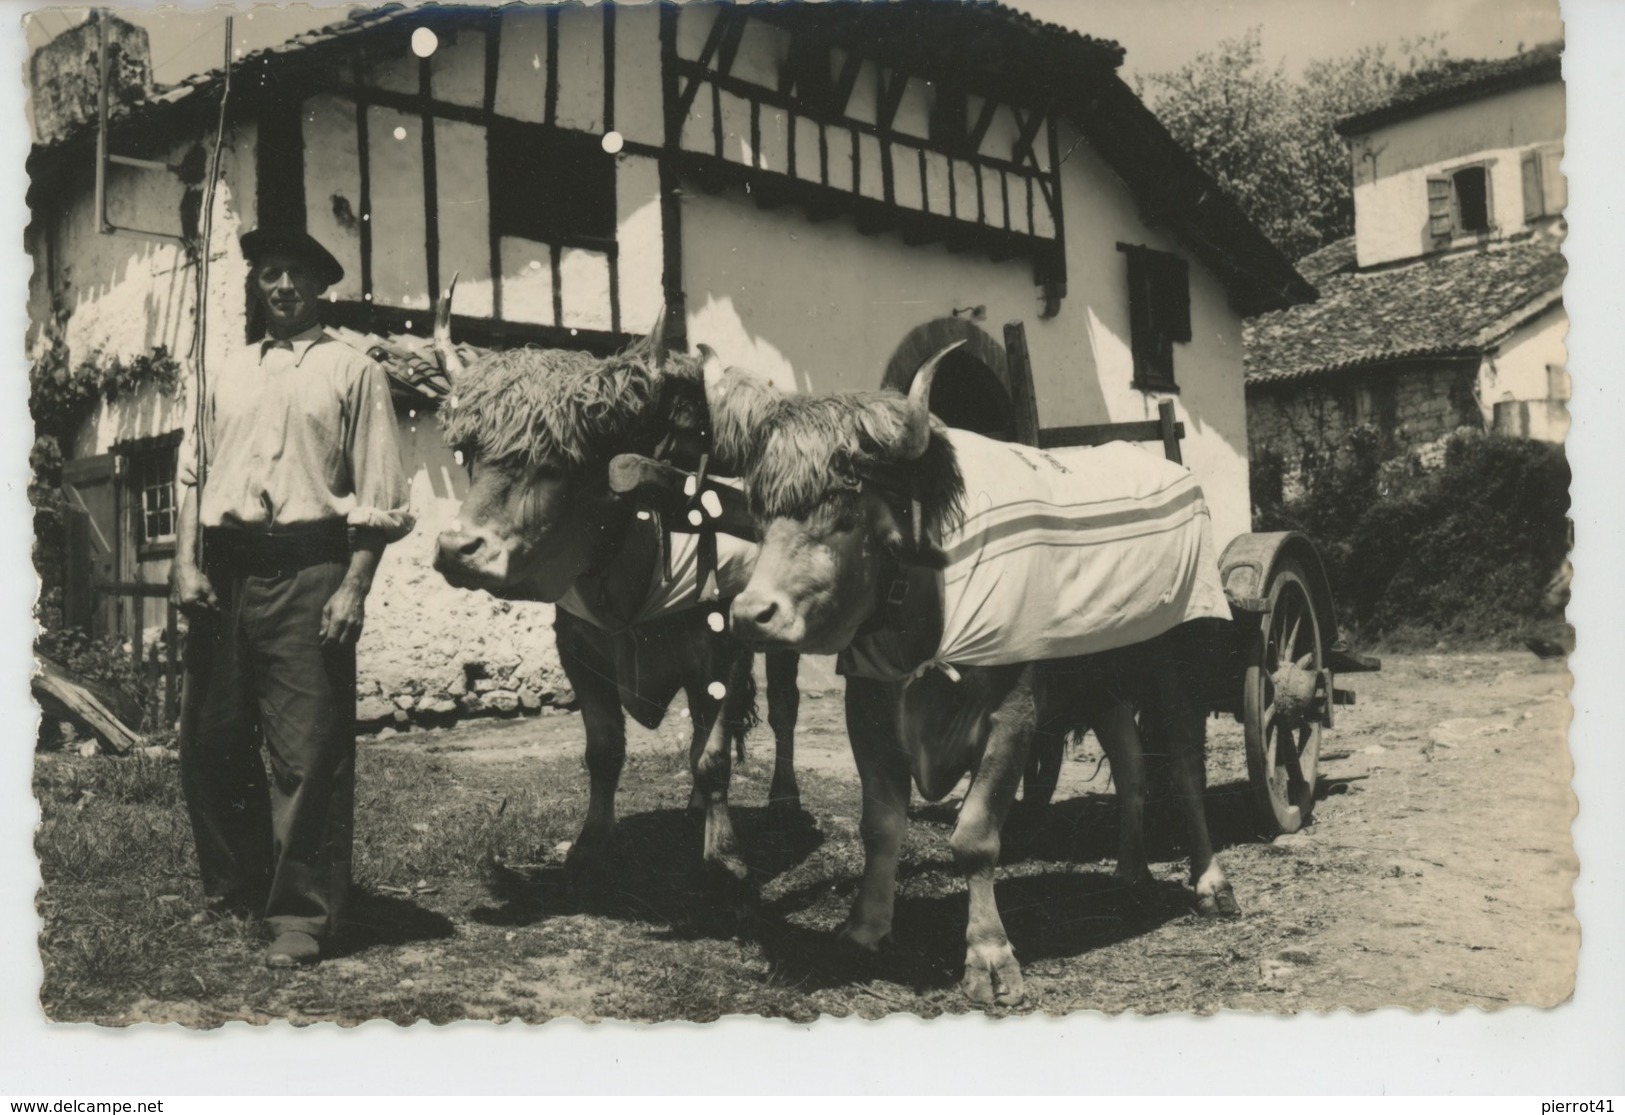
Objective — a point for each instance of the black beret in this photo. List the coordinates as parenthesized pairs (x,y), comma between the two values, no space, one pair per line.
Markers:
(298,243)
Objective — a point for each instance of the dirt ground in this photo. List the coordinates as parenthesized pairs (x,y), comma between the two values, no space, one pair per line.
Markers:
(1438,872)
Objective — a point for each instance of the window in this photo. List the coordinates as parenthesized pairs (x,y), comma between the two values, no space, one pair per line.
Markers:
(549,185)
(1459,204)
(1545,190)
(152,492)
(1159,311)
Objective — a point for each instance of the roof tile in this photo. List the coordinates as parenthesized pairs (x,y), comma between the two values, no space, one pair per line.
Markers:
(1434,306)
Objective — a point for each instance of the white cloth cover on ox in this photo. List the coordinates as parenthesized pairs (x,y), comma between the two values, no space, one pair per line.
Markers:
(1068,552)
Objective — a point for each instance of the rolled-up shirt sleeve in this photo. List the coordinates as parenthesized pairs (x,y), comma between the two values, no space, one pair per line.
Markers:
(381,490)
(186,458)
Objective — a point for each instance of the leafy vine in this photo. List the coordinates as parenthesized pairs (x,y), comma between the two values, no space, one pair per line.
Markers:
(62,393)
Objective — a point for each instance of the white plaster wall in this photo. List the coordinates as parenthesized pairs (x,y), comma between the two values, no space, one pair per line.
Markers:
(1392,165)
(639,108)
(421,633)
(821,307)
(1528,366)
(127,296)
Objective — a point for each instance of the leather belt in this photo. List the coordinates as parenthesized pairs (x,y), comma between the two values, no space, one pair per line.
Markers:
(276,552)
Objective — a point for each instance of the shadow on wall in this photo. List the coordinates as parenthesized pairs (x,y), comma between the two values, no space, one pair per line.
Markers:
(431,465)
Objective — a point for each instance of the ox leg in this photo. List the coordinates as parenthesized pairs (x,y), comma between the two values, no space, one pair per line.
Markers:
(1181,726)
(883,770)
(710,762)
(992,974)
(1043,773)
(783,708)
(1113,722)
(592,675)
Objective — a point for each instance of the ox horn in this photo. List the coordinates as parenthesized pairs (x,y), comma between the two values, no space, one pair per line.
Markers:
(712,365)
(917,432)
(450,362)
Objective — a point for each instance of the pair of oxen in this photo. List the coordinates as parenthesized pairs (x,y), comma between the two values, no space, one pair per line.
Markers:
(576,462)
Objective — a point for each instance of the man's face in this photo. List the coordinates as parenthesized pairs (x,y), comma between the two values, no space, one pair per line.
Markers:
(290,292)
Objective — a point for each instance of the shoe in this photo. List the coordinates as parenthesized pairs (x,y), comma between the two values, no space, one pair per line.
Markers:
(293,949)
(216,910)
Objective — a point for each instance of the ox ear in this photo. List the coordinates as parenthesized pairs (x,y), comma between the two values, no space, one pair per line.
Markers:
(916,436)
(450,362)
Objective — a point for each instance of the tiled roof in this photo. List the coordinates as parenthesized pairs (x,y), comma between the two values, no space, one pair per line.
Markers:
(208,82)
(1443,305)
(1458,82)
(1077,71)
(1098,51)
(1107,50)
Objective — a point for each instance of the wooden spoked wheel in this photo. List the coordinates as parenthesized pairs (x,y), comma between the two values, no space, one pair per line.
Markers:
(1287,689)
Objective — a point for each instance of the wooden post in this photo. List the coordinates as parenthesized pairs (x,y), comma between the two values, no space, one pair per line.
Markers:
(1170,431)
(172,637)
(1023,399)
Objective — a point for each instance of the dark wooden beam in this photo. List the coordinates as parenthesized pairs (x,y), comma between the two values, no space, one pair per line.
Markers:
(733,33)
(984,121)
(1023,397)
(1065,437)
(891,96)
(708,50)
(1023,150)
(845,83)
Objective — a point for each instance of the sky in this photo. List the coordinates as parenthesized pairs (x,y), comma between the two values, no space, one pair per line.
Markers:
(189,38)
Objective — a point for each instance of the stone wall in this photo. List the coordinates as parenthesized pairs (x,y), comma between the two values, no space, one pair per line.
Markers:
(64,75)
(430,652)
(1413,410)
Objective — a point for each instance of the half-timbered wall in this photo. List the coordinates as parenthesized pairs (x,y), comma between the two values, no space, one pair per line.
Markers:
(485,159)
(752,97)
(821,306)
(844,205)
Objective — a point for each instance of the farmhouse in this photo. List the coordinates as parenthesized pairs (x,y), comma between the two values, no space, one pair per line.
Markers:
(822,193)
(1445,308)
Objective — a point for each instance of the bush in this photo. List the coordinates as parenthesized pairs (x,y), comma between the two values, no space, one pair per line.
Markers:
(1466,551)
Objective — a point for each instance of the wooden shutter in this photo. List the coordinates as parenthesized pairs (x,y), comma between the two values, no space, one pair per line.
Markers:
(1158,313)
(1173,306)
(1534,199)
(1553,184)
(1140,301)
(95,542)
(1439,218)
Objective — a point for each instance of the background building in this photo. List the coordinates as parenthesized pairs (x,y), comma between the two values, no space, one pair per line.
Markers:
(1445,308)
(822,195)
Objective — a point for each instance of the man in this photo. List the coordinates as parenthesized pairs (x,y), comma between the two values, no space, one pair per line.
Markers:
(298,491)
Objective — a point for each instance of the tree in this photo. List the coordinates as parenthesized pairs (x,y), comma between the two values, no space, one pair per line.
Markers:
(1269,141)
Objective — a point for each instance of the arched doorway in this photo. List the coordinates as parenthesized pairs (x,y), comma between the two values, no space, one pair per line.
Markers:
(972,388)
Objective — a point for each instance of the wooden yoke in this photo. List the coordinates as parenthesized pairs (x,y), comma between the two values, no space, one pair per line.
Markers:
(665,490)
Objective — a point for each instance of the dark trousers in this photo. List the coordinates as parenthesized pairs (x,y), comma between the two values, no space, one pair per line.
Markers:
(258,674)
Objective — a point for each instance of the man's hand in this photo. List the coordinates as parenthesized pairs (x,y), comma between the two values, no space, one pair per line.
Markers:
(343,614)
(191,592)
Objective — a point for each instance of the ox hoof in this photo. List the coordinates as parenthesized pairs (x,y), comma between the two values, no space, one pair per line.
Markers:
(592,855)
(992,976)
(727,868)
(1221,903)
(863,941)
(784,797)
(1136,879)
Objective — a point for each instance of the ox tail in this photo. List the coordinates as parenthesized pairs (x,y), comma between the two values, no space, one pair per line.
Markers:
(739,712)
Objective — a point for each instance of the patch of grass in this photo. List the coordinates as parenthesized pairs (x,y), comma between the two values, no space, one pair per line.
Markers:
(111,822)
(651,937)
